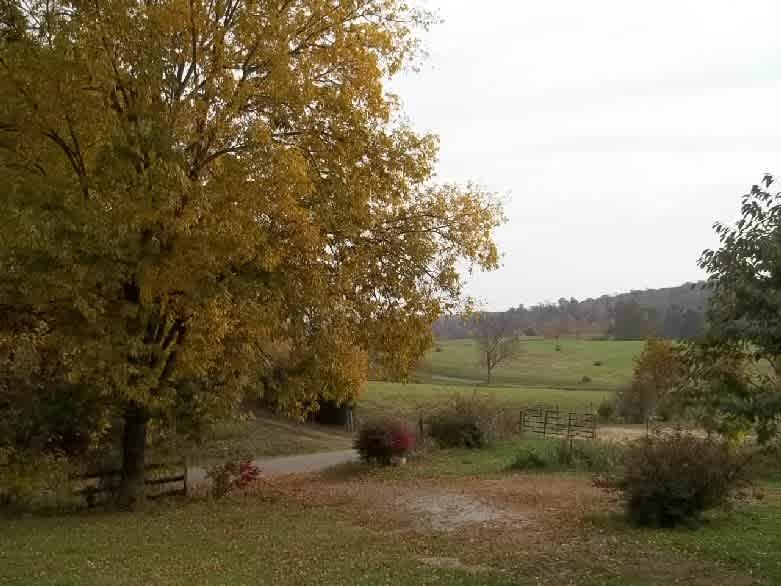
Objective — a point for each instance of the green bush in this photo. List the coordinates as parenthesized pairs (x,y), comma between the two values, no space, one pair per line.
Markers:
(668,480)
(30,481)
(585,379)
(606,410)
(529,458)
(560,455)
(639,401)
(469,422)
(591,456)
(768,461)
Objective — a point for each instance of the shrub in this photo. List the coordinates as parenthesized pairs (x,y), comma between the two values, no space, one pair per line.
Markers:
(469,422)
(606,410)
(767,461)
(232,475)
(598,363)
(560,455)
(668,480)
(529,458)
(592,456)
(585,379)
(33,480)
(381,441)
(640,401)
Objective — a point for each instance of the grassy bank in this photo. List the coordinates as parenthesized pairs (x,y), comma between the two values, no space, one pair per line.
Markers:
(410,400)
(540,364)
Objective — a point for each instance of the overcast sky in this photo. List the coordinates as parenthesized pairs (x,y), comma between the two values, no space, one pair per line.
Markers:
(617,131)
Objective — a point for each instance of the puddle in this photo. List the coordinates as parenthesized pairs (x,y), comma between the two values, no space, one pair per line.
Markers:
(448,511)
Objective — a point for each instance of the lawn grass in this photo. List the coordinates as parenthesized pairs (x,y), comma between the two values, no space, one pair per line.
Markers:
(444,463)
(411,401)
(283,539)
(496,459)
(455,361)
(747,537)
(236,542)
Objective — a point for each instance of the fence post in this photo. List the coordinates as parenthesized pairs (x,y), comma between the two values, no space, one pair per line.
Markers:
(186,487)
(420,425)
(520,420)
(545,425)
(569,429)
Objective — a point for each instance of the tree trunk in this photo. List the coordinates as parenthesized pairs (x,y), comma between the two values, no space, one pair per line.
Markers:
(489,372)
(131,487)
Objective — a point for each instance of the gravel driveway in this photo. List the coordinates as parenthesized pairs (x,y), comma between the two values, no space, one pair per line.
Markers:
(271,467)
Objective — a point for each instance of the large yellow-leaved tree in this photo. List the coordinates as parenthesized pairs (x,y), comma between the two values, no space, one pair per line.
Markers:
(193,188)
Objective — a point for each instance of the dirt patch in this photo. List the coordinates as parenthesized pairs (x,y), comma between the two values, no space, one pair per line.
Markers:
(538,526)
(440,510)
(527,505)
(621,433)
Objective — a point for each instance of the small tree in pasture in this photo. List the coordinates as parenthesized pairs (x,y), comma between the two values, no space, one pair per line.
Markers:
(496,339)
(658,371)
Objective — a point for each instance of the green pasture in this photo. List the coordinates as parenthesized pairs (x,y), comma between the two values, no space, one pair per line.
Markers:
(540,364)
(409,401)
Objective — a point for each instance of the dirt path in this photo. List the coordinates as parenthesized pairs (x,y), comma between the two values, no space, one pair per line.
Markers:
(621,433)
(271,467)
(441,378)
(309,429)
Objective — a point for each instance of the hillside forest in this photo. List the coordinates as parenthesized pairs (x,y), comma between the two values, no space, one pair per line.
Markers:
(671,312)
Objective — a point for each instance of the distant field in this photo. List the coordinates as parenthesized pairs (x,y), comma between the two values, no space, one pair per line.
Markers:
(410,400)
(541,365)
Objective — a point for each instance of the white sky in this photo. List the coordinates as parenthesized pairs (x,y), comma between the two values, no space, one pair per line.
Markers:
(617,131)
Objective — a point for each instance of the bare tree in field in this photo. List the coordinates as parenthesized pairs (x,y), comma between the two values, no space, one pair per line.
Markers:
(497,339)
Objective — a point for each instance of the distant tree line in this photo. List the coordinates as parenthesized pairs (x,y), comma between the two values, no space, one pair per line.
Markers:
(672,312)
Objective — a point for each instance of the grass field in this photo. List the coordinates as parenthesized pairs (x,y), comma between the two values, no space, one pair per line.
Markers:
(412,400)
(540,376)
(273,436)
(539,365)
(353,529)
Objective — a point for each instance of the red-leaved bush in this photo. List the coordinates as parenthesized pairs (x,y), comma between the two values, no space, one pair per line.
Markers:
(381,441)
(231,476)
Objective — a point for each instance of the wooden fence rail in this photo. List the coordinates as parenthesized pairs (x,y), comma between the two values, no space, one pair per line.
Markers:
(100,485)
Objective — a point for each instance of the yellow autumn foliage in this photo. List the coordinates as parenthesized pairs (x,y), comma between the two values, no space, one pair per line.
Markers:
(189,184)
